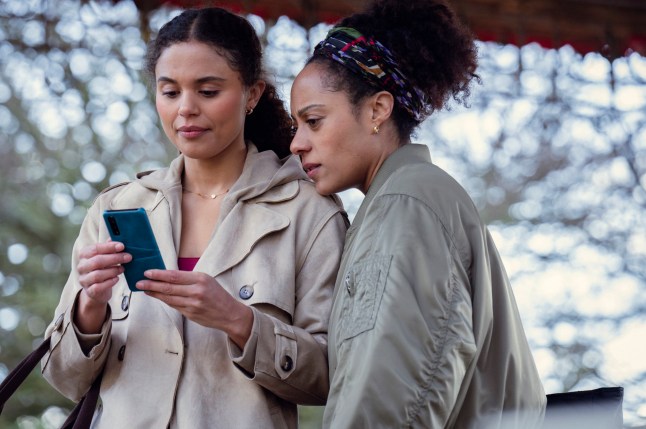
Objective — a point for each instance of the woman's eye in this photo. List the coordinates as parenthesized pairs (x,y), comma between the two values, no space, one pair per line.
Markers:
(312,122)
(209,93)
(293,130)
(170,94)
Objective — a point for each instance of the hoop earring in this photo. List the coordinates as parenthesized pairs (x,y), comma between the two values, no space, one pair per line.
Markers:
(249,110)
(375,129)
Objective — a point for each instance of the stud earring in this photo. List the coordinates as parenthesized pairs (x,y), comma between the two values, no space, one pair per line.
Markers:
(249,110)
(375,129)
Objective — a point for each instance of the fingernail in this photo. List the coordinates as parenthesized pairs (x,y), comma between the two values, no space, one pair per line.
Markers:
(119,246)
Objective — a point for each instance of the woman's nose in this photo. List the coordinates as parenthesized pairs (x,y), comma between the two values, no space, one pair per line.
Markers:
(187,106)
(298,144)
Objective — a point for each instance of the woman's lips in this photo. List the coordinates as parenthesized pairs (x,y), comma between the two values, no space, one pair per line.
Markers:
(191,132)
(311,169)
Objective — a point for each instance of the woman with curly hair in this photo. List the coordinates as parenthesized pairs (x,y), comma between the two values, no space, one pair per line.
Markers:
(233,334)
(424,331)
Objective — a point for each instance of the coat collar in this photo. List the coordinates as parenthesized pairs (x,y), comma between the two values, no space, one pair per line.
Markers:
(243,220)
(263,177)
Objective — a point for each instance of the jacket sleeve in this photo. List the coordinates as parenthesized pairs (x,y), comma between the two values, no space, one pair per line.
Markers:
(74,359)
(298,371)
(403,327)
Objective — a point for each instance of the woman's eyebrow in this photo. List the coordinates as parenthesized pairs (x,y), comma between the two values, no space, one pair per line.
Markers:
(200,80)
(302,111)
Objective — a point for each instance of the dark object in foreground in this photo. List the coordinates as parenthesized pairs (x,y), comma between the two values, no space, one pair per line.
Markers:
(81,415)
(592,409)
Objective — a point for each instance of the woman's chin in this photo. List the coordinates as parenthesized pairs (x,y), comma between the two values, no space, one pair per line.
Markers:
(323,188)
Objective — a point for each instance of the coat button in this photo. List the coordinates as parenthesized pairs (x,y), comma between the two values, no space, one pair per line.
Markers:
(348,285)
(246,292)
(59,322)
(125,302)
(122,351)
(287,364)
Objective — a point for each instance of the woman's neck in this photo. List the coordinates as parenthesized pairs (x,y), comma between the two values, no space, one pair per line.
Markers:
(384,147)
(216,174)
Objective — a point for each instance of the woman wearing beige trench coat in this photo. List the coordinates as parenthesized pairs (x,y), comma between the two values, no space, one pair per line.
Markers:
(240,338)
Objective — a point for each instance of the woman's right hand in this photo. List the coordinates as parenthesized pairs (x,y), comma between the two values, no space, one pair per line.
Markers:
(99,268)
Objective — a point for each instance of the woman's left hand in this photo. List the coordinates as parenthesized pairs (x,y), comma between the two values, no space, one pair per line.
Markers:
(200,298)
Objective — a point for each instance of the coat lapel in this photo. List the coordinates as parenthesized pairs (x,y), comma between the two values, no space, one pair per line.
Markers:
(239,231)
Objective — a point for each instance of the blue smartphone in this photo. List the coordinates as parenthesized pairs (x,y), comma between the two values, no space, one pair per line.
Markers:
(132,228)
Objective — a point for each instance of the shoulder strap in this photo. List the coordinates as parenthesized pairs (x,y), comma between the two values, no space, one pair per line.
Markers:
(81,415)
(16,377)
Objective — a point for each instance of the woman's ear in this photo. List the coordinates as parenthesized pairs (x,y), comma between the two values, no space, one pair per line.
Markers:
(255,92)
(382,104)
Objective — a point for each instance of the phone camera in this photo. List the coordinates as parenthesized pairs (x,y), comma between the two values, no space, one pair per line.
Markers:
(113,225)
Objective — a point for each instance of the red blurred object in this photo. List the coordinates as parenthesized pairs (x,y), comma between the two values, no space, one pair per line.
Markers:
(611,27)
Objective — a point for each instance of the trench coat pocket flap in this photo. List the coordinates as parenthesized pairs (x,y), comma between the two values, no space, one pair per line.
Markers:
(242,229)
(362,290)
(286,351)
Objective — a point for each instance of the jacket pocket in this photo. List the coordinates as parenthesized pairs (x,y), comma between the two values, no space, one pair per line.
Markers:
(362,290)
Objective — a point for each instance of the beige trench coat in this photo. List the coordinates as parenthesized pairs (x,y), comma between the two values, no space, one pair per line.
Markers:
(424,331)
(275,235)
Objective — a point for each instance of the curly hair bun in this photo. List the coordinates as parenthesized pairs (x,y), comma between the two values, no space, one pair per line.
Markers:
(435,51)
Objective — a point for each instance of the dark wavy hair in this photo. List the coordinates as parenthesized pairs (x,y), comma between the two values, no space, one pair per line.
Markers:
(232,36)
(433,49)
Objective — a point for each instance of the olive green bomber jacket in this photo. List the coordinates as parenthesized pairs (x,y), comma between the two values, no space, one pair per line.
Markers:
(425,331)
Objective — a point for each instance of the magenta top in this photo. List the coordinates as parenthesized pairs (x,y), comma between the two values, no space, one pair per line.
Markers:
(187,264)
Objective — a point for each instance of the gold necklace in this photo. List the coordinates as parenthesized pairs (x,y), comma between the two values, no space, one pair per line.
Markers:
(211,196)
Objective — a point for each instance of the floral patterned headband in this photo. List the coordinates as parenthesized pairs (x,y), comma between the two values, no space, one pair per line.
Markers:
(367,57)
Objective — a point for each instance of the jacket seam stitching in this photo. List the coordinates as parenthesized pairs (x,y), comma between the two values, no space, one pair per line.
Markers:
(449,236)
(425,388)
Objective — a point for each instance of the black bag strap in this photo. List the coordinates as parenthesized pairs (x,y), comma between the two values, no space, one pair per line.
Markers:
(16,377)
(81,415)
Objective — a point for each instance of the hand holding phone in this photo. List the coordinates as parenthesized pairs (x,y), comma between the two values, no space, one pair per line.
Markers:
(132,228)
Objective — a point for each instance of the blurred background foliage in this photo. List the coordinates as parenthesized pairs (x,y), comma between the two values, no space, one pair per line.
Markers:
(552,148)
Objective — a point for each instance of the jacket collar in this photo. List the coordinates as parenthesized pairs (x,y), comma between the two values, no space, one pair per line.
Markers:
(406,154)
